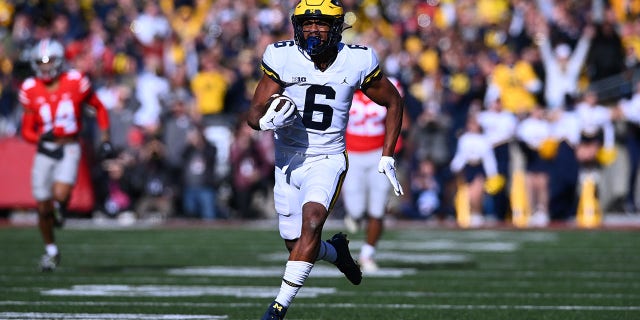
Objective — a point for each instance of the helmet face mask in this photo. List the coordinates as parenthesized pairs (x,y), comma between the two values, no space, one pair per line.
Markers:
(47,58)
(323,11)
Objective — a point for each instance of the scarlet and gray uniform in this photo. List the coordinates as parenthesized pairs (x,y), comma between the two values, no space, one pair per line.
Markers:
(311,161)
(365,190)
(58,111)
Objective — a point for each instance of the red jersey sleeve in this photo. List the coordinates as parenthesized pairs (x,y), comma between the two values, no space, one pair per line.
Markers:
(102,115)
(30,129)
(85,89)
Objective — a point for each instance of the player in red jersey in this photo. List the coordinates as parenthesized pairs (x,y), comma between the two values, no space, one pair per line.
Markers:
(365,192)
(53,100)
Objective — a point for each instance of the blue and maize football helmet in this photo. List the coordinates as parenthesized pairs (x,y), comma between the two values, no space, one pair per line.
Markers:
(330,11)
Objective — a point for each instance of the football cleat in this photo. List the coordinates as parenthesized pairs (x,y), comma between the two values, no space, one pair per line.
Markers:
(275,311)
(345,262)
(351,224)
(49,263)
(368,265)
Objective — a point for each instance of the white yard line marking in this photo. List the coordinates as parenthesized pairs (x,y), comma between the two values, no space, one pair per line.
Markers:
(105,316)
(449,245)
(506,295)
(413,257)
(318,271)
(500,274)
(468,307)
(131,303)
(480,235)
(179,291)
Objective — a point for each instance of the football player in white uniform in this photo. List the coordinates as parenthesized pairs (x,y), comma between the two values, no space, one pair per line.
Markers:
(319,74)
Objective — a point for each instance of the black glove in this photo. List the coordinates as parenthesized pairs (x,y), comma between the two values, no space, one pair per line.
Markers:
(47,136)
(55,152)
(106,151)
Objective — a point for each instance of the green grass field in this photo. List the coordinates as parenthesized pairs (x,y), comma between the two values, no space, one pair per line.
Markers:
(233,272)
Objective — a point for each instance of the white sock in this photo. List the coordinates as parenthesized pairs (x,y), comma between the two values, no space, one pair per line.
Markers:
(51,249)
(367,251)
(327,252)
(294,275)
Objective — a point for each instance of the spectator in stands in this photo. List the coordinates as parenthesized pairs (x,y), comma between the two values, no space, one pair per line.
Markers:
(209,87)
(151,88)
(425,188)
(177,121)
(186,17)
(118,100)
(115,193)
(563,66)
(199,179)
(150,28)
(8,94)
(153,181)
(515,83)
(631,114)
(607,56)
(250,170)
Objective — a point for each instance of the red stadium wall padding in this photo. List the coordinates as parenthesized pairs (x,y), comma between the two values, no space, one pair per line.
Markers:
(16,157)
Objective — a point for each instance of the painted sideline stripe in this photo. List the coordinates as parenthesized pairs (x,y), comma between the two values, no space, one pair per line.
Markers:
(105,316)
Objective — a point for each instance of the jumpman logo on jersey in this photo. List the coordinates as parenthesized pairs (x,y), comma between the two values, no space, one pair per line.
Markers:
(345,81)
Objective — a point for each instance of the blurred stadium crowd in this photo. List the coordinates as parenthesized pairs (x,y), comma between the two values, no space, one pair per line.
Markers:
(178,75)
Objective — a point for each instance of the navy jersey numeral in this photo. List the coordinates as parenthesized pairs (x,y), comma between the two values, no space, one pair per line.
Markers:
(357,46)
(284,43)
(311,107)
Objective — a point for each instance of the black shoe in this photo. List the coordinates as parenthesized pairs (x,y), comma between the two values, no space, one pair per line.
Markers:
(275,312)
(345,262)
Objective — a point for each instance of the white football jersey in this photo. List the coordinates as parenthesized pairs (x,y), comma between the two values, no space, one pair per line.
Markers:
(323,99)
